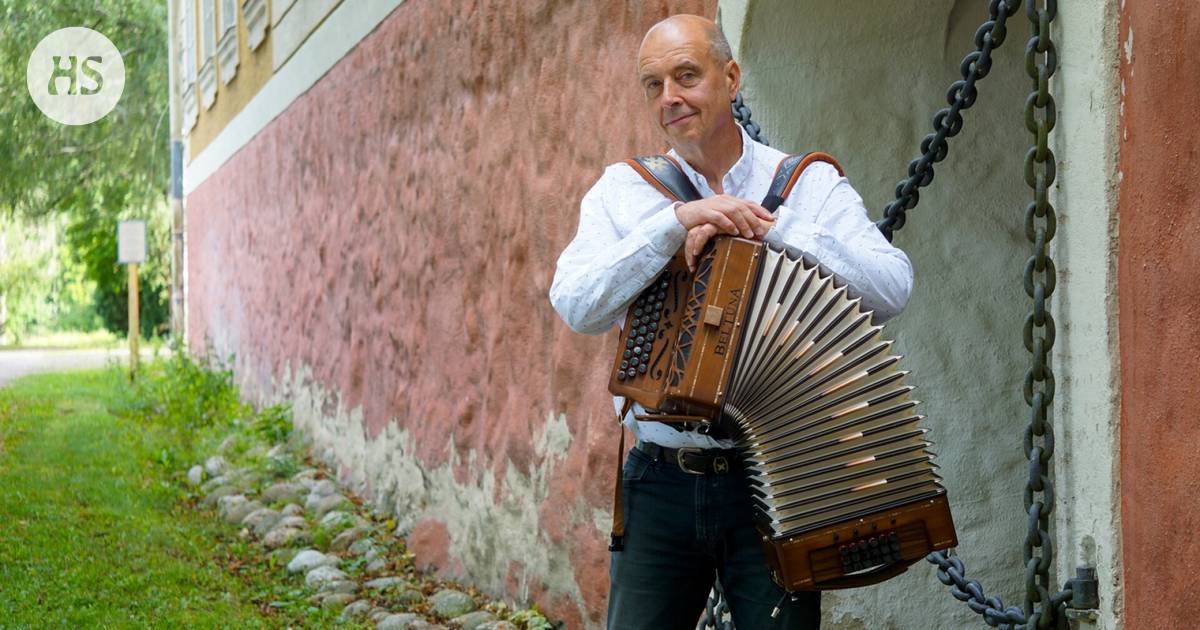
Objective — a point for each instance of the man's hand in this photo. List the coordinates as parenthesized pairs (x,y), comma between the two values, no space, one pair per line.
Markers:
(729,214)
(722,214)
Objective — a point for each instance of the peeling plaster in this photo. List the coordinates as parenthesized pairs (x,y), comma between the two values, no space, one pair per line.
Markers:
(493,523)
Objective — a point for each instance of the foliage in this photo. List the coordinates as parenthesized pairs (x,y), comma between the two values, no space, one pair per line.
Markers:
(43,289)
(97,174)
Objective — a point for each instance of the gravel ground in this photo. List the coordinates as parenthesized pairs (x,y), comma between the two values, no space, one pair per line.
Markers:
(17,363)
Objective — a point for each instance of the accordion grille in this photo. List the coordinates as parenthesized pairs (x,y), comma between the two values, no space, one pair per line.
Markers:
(819,406)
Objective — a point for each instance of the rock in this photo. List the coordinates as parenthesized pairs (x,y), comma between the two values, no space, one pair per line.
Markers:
(345,539)
(383,582)
(236,511)
(363,546)
(325,505)
(228,502)
(401,621)
(336,600)
(285,536)
(292,521)
(289,491)
(216,482)
(408,597)
(309,559)
(324,488)
(262,520)
(227,444)
(473,620)
(356,610)
(451,603)
(217,494)
(195,475)
(323,575)
(336,518)
(340,586)
(377,614)
(292,509)
(498,625)
(377,566)
(279,450)
(215,466)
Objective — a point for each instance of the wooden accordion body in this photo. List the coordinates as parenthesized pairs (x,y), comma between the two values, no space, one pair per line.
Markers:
(770,349)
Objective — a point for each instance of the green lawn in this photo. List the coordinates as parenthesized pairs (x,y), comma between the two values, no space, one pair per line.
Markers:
(92,532)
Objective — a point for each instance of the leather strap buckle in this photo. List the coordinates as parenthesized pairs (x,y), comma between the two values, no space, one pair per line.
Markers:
(679,459)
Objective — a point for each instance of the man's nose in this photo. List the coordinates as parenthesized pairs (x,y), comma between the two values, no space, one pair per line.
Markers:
(670,94)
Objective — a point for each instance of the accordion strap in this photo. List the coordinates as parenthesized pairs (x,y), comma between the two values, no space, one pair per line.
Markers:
(788,173)
(665,174)
(617,542)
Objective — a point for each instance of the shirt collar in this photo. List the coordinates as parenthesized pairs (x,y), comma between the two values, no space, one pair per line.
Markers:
(735,180)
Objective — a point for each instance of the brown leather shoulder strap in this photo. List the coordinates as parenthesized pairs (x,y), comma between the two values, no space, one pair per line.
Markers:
(665,174)
(788,173)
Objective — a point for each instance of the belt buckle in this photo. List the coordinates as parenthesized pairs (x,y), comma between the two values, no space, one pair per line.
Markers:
(679,459)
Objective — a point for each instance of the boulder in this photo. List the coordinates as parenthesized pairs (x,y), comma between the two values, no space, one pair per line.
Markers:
(215,466)
(309,559)
(262,520)
(195,475)
(451,603)
(322,575)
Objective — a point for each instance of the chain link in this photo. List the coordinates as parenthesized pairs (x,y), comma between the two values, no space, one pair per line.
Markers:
(1040,278)
(741,113)
(948,121)
(716,610)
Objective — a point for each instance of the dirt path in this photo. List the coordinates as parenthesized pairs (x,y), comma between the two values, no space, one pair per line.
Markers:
(17,363)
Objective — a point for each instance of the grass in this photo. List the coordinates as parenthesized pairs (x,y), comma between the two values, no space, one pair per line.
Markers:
(95,534)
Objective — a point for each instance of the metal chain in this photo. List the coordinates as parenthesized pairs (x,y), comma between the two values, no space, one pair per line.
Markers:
(716,610)
(1041,60)
(741,113)
(948,121)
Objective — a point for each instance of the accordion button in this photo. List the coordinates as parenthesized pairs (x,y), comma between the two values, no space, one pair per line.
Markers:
(620,376)
(631,372)
(637,351)
(647,348)
(629,343)
(641,339)
(662,295)
(662,284)
(653,326)
(642,330)
(624,365)
(627,354)
(642,369)
(633,362)
(637,312)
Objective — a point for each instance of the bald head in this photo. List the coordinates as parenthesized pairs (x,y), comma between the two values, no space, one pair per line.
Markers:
(691,27)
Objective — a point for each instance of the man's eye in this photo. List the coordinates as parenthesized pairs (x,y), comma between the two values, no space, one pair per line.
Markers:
(687,76)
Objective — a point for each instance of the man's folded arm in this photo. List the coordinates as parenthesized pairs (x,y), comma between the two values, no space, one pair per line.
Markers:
(829,222)
(601,270)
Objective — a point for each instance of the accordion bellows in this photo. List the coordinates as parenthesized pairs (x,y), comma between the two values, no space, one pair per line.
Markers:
(772,350)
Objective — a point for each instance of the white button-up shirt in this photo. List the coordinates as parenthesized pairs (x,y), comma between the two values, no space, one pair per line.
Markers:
(628,232)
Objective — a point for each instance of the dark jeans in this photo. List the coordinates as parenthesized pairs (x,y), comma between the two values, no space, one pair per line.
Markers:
(680,530)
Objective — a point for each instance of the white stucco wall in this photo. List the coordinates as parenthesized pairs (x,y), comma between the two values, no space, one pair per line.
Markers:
(861,80)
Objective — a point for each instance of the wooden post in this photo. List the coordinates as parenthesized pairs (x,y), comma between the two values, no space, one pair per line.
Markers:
(134,327)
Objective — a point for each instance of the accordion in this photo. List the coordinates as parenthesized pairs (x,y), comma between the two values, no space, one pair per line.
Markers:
(770,349)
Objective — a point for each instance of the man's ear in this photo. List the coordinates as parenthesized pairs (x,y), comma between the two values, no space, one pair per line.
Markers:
(733,76)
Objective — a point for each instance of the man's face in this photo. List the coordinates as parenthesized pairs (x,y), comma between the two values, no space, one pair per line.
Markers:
(687,91)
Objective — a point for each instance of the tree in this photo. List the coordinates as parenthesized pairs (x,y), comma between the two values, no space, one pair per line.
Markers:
(96,174)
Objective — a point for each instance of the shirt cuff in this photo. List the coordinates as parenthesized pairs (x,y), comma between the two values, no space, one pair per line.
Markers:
(663,231)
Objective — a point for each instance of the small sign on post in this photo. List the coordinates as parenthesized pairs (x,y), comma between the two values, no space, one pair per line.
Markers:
(131,251)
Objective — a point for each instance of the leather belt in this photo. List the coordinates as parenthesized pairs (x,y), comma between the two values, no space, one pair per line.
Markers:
(697,461)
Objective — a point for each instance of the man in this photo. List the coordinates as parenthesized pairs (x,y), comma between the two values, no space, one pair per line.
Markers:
(682,527)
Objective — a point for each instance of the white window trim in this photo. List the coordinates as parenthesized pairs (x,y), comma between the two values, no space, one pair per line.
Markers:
(207,78)
(227,47)
(254,13)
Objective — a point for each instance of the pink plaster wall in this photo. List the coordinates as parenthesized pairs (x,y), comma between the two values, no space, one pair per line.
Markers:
(1159,278)
(396,229)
